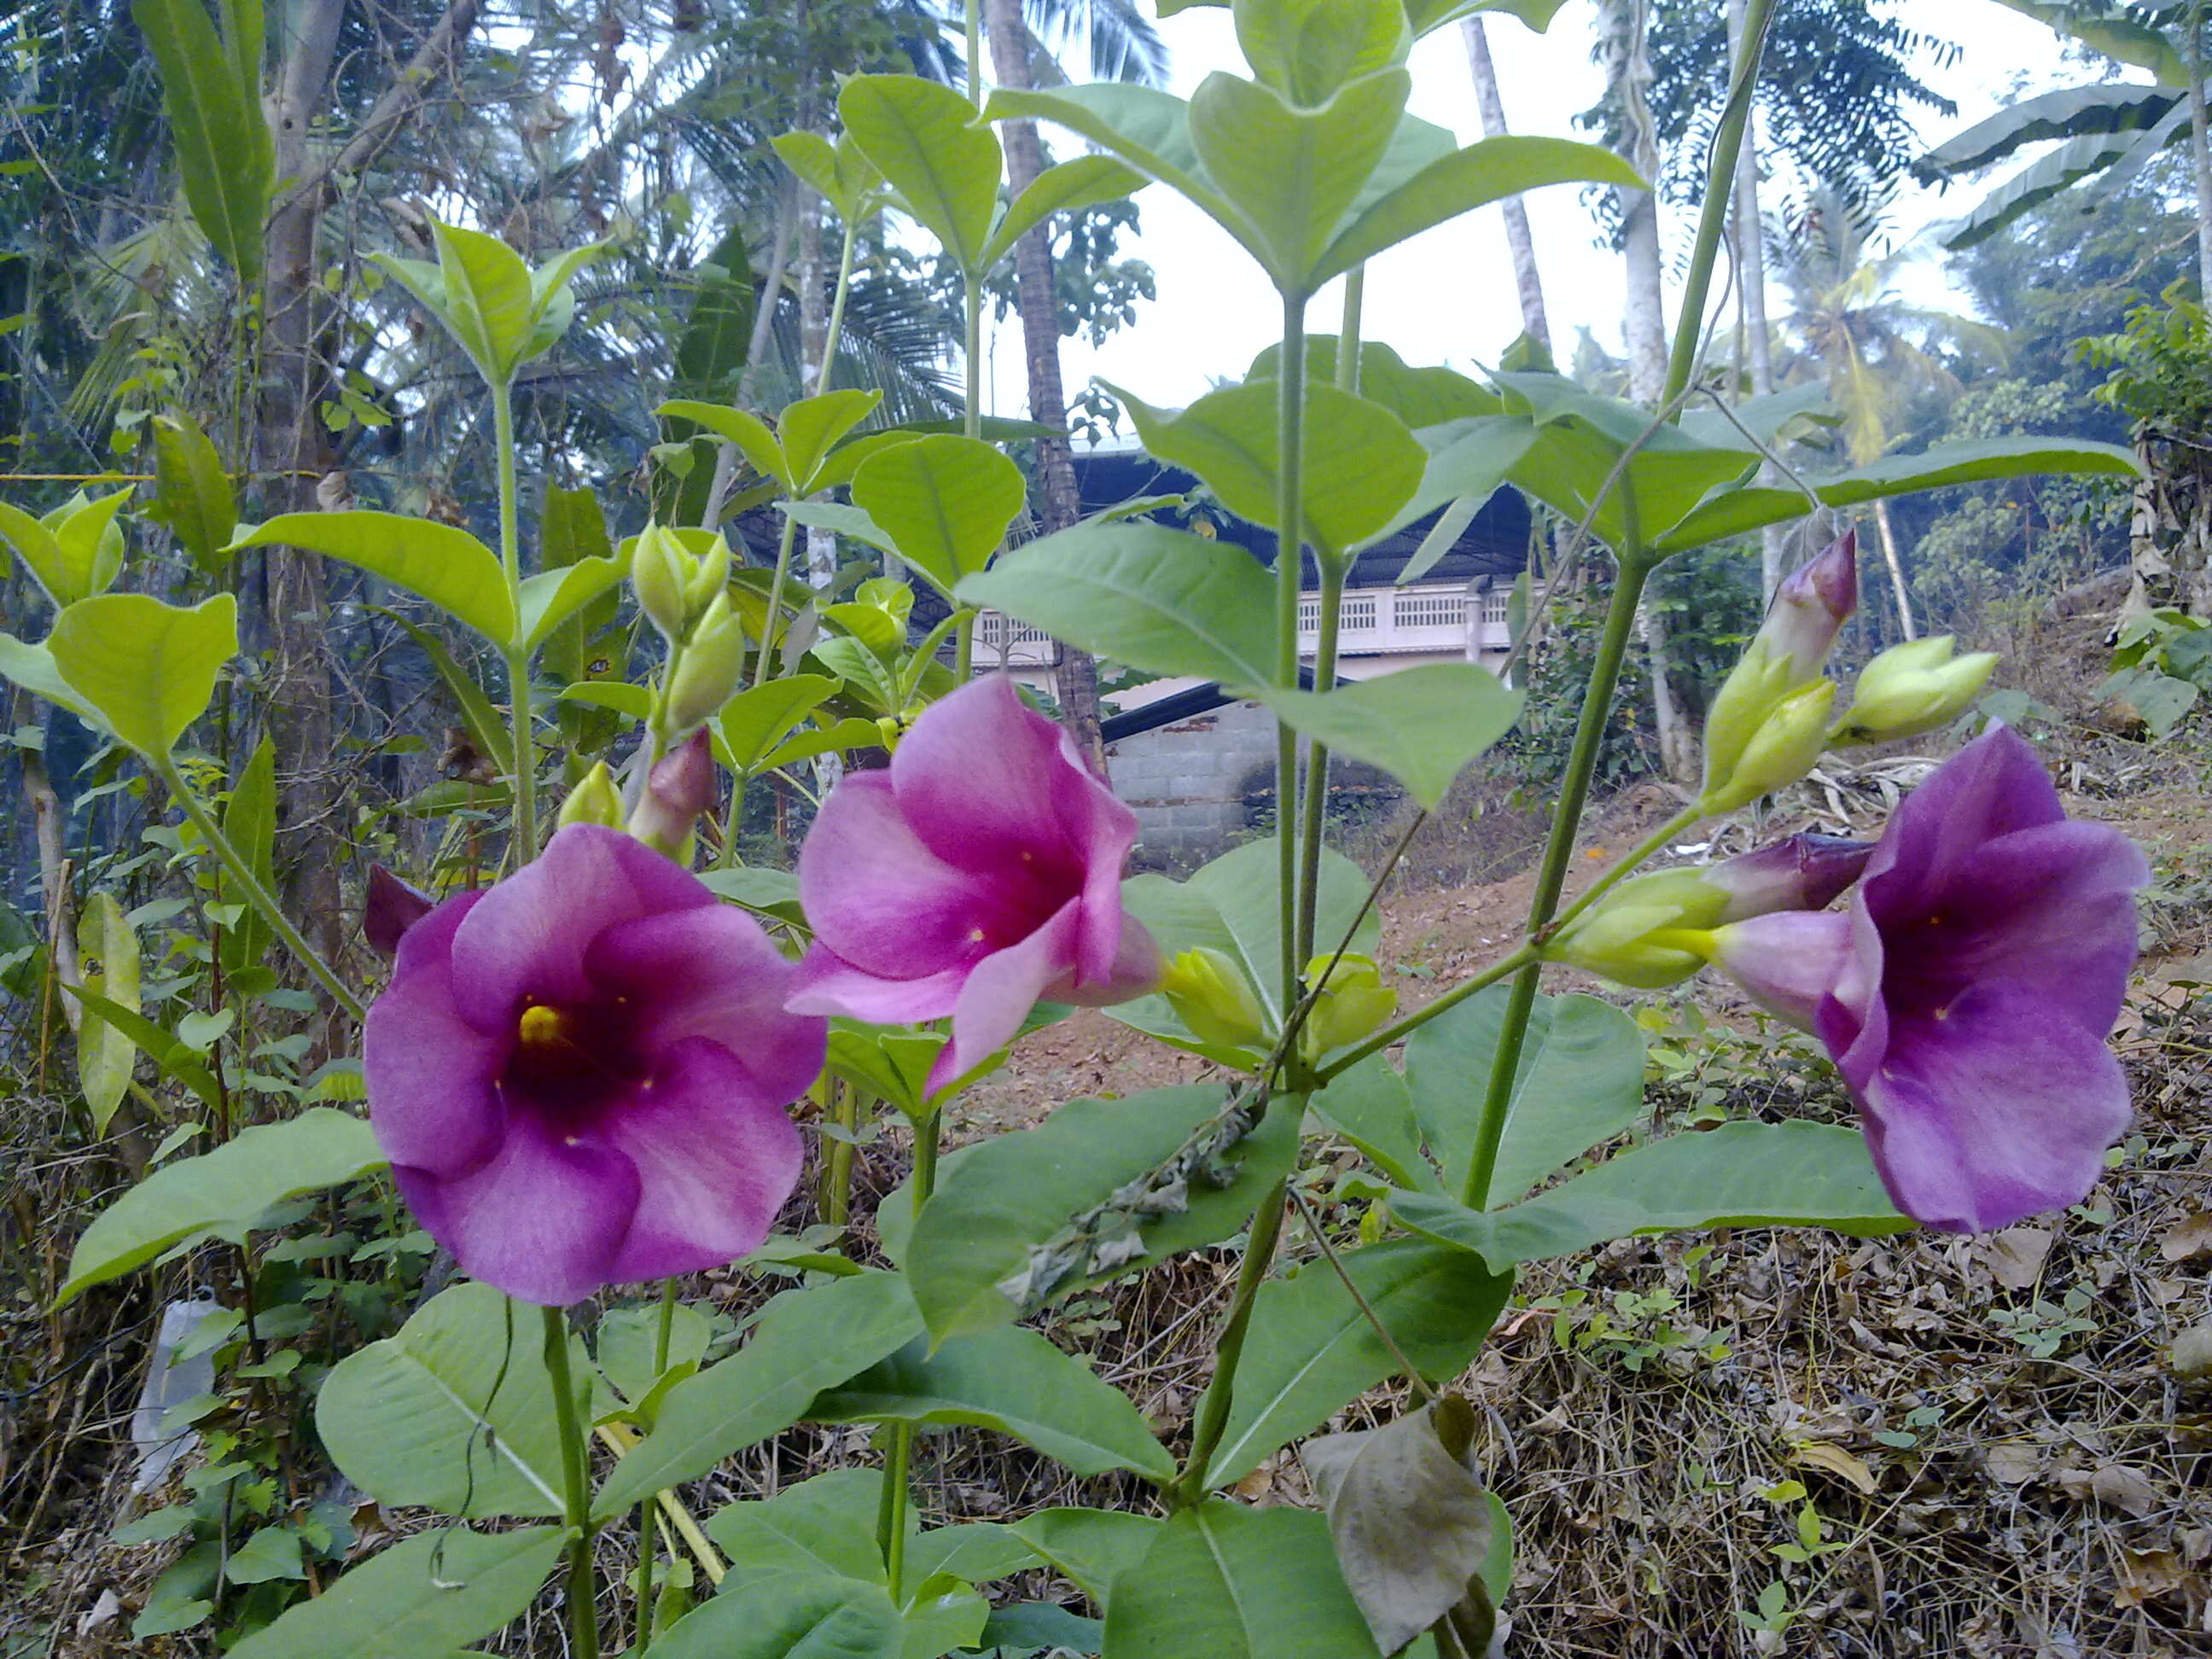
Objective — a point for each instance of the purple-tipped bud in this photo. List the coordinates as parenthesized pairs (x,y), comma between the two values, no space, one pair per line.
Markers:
(1811,607)
(680,788)
(1805,872)
(391,907)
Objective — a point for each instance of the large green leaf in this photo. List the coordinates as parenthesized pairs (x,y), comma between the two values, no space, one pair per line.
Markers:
(924,138)
(148,668)
(1979,461)
(1580,1081)
(224,1191)
(454,1412)
(500,311)
(1014,1381)
(1068,187)
(249,824)
(754,722)
(192,493)
(2059,170)
(1225,1582)
(421,1599)
(811,428)
(847,179)
(42,555)
(552,597)
(1146,128)
(823,1527)
(1370,1107)
(1311,1351)
(1419,396)
(1483,172)
(1741,1175)
(1361,464)
(107,953)
(1471,458)
(2108,29)
(1421,726)
(1160,600)
(32,667)
(1090,1547)
(1009,1198)
(807,1341)
(1290,174)
(211,93)
(789,1617)
(2105,107)
(449,567)
(945,503)
(1306,51)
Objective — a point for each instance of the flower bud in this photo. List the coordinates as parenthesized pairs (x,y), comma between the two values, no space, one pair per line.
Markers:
(1783,660)
(1211,996)
(1782,748)
(1353,1003)
(709,671)
(660,572)
(1654,931)
(595,801)
(1914,688)
(678,789)
(390,909)
(710,576)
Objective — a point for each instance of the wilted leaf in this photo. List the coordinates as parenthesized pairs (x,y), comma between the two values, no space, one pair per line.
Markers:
(1827,1456)
(2193,1237)
(2016,1256)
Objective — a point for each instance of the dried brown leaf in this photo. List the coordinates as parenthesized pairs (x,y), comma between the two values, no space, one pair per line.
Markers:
(2016,1256)
(2193,1237)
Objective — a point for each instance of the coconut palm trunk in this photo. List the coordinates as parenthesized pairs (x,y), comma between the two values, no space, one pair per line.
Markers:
(1059,498)
(1535,322)
(1889,556)
(1750,240)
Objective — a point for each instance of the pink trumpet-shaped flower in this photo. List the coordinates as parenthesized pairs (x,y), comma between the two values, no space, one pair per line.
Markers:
(1967,991)
(978,874)
(579,1075)
(390,909)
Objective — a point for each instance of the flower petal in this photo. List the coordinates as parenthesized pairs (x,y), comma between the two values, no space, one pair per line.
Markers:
(712,972)
(716,1160)
(879,898)
(543,1220)
(526,941)
(1788,961)
(1001,991)
(828,984)
(1994,787)
(432,1078)
(1998,1111)
(1136,969)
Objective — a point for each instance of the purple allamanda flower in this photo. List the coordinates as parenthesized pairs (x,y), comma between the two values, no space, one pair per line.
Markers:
(579,1074)
(1967,990)
(980,873)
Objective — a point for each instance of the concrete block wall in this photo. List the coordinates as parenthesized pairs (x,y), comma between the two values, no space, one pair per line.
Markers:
(1188,782)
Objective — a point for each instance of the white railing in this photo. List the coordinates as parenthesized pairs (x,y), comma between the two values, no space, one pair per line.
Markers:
(999,638)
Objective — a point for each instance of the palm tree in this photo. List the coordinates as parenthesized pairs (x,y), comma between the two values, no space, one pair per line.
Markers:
(1876,350)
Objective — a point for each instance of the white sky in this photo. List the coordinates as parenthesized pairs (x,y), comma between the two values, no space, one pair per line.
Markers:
(1448,296)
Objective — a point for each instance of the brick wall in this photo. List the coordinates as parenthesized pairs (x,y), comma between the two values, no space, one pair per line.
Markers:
(1188,782)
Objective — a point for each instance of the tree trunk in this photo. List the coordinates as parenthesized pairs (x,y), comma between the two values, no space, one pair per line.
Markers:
(2200,146)
(2173,530)
(814,347)
(1645,325)
(1889,556)
(1751,274)
(1522,244)
(1059,498)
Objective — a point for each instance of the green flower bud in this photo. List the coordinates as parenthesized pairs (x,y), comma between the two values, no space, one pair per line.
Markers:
(660,570)
(1354,1003)
(595,801)
(1782,748)
(1784,659)
(1914,688)
(1211,996)
(709,577)
(709,673)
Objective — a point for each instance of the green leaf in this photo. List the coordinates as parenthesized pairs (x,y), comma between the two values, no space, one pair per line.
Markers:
(166,1050)
(486,725)
(844,734)
(1741,1175)
(500,311)
(148,668)
(1311,1352)
(973,1552)
(923,137)
(810,427)
(2105,29)
(839,519)
(1090,1547)
(1464,472)
(108,950)
(1581,1081)
(1290,174)
(454,1412)
(1146,128)
(1418,397)
(1370,1107)
(1422,726)
(807,1341)
(861,669)
(552,597)
(941,1613)
(434,1593)
(1306,50)
(74,551)
(1361,464)
(945,503)
(825,1527)
(754,722)
(759,445)
(43,556)
(271,1553)
(225,1190)
(1159,600)
(789,1617)
(1427,15)
(1230,1583)
(846,179)
(449,567)
(1483,172)
(627,1339)
(211,93)
(1013,1381)
(32,667)
(192,493)
(1008,1196)
(1067,187)
(710,352)
(249,823)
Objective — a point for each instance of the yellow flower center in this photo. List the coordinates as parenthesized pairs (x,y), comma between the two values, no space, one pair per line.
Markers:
(545,1030)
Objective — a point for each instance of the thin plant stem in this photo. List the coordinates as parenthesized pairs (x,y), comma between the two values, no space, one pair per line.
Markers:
(575,1469)
(891,1519)
(1360,1300)
(975,88)
(1313,818)
(518,659)
(257,893)
(838,308)
(1213,1409)
(1348,336)
(1624,867)
(1399,1030)
(1290,568)
(642,1593)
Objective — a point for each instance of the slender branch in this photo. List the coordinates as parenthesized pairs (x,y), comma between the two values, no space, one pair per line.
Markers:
(1622,868)
(1213,1410)
(1290,570)
(575,1469)
(389,115)
(1315,803)
(517,660)
(1360,1300)
(837,308)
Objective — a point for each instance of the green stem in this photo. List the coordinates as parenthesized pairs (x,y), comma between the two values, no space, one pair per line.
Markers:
(251,884)
(838,1202)
(1213,1410)
(1399,1030)
(641,1592)
(975,52)
(972,345)
(1712,224)
(518,661)
(1624,867)
(1315,803)
(1348,336)
(575,1469)
(838,308)
(1552,874)
(891,1519)
(1290,562)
